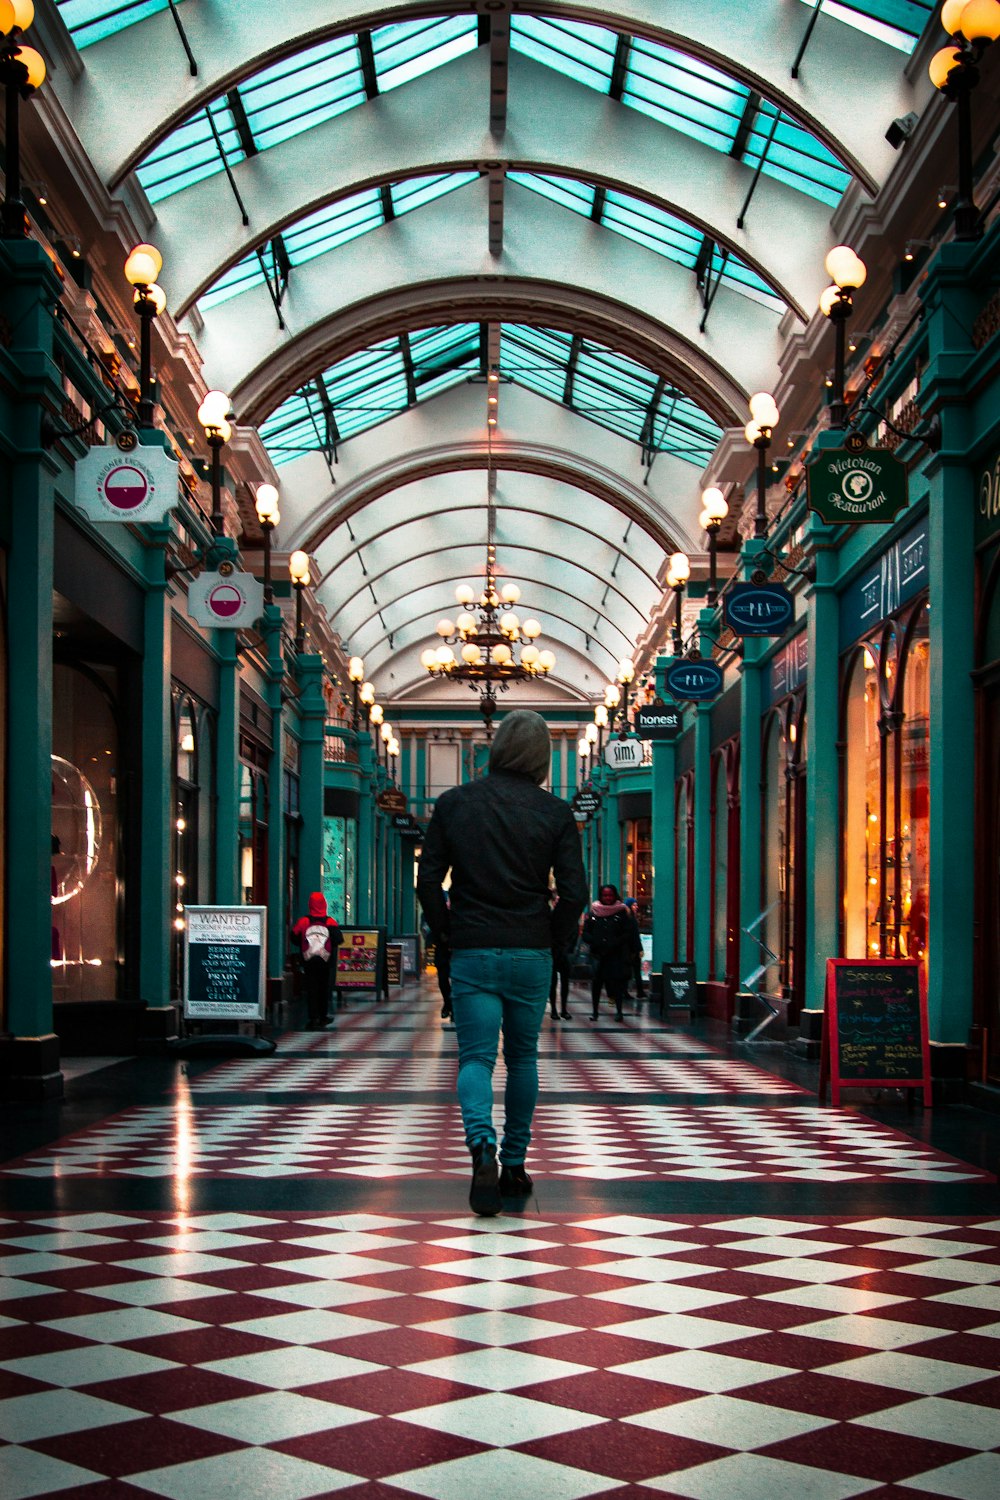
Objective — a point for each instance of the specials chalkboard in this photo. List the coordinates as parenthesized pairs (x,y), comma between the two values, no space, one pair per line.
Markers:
(874,1027)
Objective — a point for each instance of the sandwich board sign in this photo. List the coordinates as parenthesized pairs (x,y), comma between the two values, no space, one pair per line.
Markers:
(224,963)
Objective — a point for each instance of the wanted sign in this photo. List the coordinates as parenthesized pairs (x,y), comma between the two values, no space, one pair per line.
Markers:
(224,963)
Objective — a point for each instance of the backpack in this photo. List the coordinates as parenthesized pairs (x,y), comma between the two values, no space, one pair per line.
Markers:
(316,941)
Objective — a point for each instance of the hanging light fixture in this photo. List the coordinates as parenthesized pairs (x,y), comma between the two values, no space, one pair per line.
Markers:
(495,646)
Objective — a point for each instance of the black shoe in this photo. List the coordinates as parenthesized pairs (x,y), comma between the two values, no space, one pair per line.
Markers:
(565,1014)
(554,1014)
(446,1012)
(619,1016)
(593,1016)
(514,1181)
(641,994)
(484,1194)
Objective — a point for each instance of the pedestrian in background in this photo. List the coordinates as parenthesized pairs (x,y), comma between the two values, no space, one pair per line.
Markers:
(501,836)
(607,932)
(318,936)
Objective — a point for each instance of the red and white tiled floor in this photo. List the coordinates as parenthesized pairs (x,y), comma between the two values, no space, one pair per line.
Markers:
(179,1318)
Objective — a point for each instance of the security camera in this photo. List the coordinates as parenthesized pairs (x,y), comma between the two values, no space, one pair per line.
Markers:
(901,129)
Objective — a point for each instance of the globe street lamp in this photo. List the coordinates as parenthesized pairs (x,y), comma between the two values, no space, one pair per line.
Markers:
(601,720)
(298,569)
(22,72)
(954,71)
(847,272)
(366,696)
(212,414)
(266,502)
(356,675)
(142,267)
(714,511)
(583,750)
(764,416)
(678,573)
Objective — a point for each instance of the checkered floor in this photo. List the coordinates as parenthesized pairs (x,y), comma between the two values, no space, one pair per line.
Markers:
(365,1355)
(175,1321)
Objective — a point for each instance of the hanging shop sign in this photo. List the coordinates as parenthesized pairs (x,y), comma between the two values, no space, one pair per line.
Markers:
(622,755)
(586,802)
(765,609)
(790,667)
(227,599)
(127,481)
(406,825)
(694,679)
(874,1027)
(391,800)
(660,721)
(224,963)
(856,485)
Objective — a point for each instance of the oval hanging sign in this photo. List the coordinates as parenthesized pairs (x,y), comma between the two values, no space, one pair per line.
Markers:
(694,680)
(767,609)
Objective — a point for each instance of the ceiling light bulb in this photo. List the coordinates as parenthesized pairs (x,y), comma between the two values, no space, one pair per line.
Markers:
(531,629)
(529,656)
(752,433)
(298,567)
(546,660)
(471,654)
(590,733)
(763,409)
(465,624)
(601,716)
(510,593)
(266,502)
(464,595)
(445,656)
(367,693)
(845,267)
(143,266)
(680,566)
(428,658)
(501,654)
(714,502)
(445,627)
(356,669)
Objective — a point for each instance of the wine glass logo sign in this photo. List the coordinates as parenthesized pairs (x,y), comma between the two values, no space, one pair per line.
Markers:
(225,600)
(76,831)
(125,487)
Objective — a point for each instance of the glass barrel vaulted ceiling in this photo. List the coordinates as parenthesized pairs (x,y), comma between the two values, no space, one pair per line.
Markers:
(642,404)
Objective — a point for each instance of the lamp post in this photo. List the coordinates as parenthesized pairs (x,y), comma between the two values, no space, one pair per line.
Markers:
(624,679)
(298,569)
(142,267)
(583,750)
(212,414)
(356,675)
(22,72)
(847,272)
(266,502)
(376,714)
(367,698)
(954,71)
(678,573)
(601,720)
(764,416)
(713,512)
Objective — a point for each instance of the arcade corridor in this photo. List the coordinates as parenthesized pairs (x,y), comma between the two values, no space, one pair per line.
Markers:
(261,1278)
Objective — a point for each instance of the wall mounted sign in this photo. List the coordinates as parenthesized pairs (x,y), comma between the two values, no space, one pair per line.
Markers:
(661,721)
(227,599)
(126,482)
(693,679)
(790,667)
(224,965)
(846,488)
(406,825)
(895,576)
(988,501)
(874,1027)
(767,609)
(622,755)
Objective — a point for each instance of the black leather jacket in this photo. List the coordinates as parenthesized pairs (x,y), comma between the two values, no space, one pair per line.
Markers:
(501,836)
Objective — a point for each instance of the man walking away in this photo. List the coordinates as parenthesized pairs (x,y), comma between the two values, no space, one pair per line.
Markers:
(319,937)
(502,837)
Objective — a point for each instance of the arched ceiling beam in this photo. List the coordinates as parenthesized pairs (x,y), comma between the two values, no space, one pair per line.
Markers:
(833,94)
(536,586)
(246,354)
(556,125)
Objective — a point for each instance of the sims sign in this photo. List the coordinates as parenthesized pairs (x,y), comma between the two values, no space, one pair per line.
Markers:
(228,599)
(127,482)
(622,754)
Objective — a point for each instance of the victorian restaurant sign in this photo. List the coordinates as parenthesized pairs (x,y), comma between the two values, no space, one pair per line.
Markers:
(856,488)
(125,482)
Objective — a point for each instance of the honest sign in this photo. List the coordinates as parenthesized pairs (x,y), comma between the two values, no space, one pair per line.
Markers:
(695,680)
(622,754)
(856,488)
(767,609)
(125,483)
(661,722)
(224,963)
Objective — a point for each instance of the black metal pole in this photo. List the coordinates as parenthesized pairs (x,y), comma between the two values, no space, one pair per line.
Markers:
(713,580)
(300,635)
(677,642)
(760,514)
(14,221)
(968,225)
(354,706)
(266,527)
(218,520)
(147,312)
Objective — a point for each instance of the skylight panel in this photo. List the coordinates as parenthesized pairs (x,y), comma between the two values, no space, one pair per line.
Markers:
(408,49)
(568,191)
(191,153)
(686,93)
(586,53)
(896,22)
(90,21)
(795,156)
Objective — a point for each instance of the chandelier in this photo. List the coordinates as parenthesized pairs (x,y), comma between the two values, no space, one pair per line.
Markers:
(488,638)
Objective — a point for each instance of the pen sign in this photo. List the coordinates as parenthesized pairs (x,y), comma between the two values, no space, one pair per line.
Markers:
(767,609)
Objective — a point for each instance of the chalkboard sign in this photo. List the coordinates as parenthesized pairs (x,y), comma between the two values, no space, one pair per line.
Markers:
(224,967)
(410,944)
(393,963)
(874,1027)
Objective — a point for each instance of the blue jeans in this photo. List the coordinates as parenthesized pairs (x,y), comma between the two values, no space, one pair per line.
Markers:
(490,988)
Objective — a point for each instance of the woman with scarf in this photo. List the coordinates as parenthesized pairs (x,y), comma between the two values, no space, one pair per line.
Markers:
(607,931)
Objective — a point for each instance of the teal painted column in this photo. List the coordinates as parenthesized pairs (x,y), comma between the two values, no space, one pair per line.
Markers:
(227,773)
(366,833)
(612,835)
(752,703)
(663,838)
(953,293)
(823,778)
(157,890)
(420,785)
(28,291)
(707,624)
(312,723)
(278,919)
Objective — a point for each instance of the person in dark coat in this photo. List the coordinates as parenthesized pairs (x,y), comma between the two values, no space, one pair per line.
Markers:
(318,937)
(562,961)
(607,931)
(500,836)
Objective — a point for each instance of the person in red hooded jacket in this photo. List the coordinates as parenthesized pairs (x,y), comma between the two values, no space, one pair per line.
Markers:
(319,937)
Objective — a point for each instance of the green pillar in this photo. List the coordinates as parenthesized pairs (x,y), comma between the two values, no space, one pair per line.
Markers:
(953,294)
(612,835)
(29,1057)
(227,773)
(312,723)
(157,891)
(420,785)
(752,702)
(707,625)
(823,779)
(663,838)
(277,917)
(366,833)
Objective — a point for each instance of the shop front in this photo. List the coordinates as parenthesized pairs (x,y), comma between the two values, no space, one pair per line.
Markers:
(783,876)
(986,974)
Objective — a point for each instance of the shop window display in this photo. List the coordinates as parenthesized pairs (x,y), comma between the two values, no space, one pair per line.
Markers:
(885,801)
(86,883)
(638,872)
(339,864)
(783,846)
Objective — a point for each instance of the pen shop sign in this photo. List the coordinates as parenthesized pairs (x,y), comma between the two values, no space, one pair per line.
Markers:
(126,481)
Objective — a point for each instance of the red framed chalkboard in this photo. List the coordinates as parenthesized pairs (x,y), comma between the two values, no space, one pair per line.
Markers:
(874,1027)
